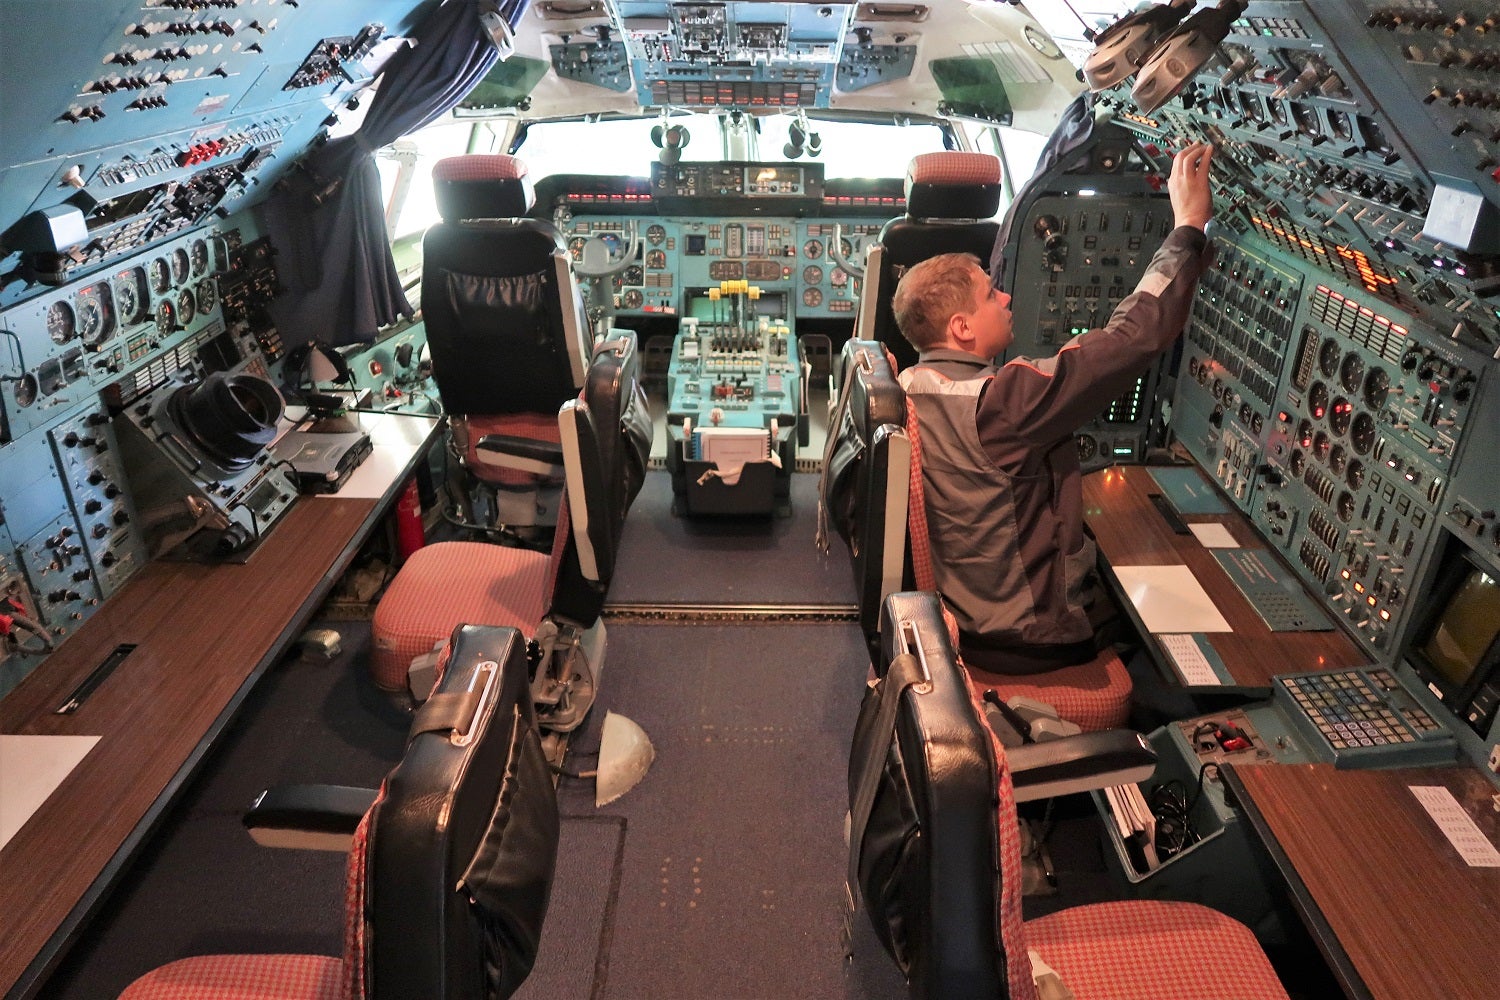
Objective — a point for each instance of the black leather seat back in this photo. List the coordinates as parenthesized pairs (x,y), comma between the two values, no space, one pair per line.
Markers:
(505,324)
(864,487)
(463,843)
(608,429)
(951,199)
(927,861)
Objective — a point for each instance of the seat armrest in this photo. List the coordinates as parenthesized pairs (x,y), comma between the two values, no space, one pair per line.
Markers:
(525,454)
(1080,763)
(309,817)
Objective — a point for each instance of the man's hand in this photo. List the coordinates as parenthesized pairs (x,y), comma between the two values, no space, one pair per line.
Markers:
(1192,198)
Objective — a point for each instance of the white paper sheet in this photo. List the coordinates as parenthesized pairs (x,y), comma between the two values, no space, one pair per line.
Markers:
(1170,599)
(1213,535)
(31,768)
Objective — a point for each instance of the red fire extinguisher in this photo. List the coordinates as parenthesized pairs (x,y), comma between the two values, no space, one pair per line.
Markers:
(409,535)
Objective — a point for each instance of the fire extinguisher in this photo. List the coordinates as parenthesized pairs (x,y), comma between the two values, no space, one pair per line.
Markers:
(409,535)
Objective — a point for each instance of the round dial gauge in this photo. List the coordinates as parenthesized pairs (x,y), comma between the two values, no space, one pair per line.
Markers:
(575,247)
(180,265)
(655,234)
(199,255)
(1246,412)
(1362,433)
(633,274)
(1351,372)
(1338,460)
(160,273)
(61,324)
(1298,463)
(166,317)
(1305,434)
(1355,477)
(1340,415)
(812,297)
(812,274)
(1307,120)
(128,301)
(813,249)
(186,306)
(1317,400)
(633,298)
(839,278)
(1341,124)
(93,317)
(1328,357)
(1346,506)
(656,259)
(208,296)
(1321,444)
(1377,384)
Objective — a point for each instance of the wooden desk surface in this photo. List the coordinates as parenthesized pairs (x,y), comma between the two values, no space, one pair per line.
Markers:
(1132,532)
(204,635)
(1365,861)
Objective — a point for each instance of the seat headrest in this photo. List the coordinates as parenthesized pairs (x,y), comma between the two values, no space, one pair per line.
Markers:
(953,185)
(482,186)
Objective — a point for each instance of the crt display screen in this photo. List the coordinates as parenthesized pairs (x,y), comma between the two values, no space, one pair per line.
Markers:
(1463,632)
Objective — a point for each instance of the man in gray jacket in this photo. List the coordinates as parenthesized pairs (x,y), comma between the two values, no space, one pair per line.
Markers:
(1000,467)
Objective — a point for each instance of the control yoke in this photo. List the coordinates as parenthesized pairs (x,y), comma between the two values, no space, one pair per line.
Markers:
(597,265)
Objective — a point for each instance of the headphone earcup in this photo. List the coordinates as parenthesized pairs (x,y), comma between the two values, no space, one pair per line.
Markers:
(656,135)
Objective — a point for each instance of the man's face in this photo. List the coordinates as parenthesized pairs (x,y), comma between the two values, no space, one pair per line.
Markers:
(990,320)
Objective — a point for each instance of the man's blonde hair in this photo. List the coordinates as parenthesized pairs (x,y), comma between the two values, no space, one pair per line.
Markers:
(930,294)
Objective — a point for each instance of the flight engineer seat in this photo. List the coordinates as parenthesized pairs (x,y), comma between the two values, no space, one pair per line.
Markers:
(874,499)
(508,335)
(555,600)
(450,863)
(951,201)
(935,850)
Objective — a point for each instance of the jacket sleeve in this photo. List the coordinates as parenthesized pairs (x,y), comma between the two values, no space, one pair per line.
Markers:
(1032,402)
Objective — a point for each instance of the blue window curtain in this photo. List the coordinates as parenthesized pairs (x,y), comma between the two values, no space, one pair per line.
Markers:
(326,219)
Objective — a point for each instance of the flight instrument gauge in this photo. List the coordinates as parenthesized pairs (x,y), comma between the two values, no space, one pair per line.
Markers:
(812,297)
(129,300)
(208,296)
(199,256)
(575,247)
(94,320)
(61,323)
(633,298)
(1355,477)
(161,275)
(180,265)
(186,306)
(813,249)
(1377,384)
(656,259)
(1352,372)
(166,317)
(1362,434)
(656,234)
(1328,357)
(812,274)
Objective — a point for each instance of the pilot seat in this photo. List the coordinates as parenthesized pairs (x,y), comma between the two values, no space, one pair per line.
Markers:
(933,797)
(555,599)
(450,864)
(951,201)
(509,340)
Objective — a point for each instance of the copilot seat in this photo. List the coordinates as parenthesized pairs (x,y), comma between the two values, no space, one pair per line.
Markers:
(506,330)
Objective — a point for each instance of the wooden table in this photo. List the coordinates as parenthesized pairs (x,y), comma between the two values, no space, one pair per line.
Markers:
(1130,531)
(203,635)
(1397,913)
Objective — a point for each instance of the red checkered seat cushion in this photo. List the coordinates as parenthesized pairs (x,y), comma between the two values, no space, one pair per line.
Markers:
(451,583)
(243,977)
(1095,695)
(1153,950)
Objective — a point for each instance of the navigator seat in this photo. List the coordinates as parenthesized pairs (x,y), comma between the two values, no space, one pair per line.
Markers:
(450,869)
(556,599)
(507,333)
(933,797)
(873,494)
(951,200)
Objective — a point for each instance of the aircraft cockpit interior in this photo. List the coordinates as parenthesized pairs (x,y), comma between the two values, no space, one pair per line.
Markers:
(478,449)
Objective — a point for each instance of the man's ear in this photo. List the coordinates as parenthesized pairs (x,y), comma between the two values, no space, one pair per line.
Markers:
(960,334)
